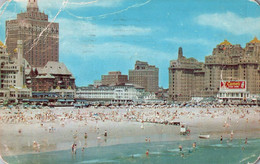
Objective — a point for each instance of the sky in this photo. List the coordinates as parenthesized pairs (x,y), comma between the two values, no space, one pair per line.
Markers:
(99,36)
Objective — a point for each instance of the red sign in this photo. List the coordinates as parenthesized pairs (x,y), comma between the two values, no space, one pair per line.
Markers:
(233,84)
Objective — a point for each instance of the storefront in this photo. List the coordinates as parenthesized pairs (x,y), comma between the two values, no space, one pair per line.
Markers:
(233,90)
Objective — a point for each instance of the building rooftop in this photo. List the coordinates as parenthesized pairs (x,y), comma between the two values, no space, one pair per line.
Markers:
(225,43)
(2,44)
(48,76)
(255,40)
(53,67)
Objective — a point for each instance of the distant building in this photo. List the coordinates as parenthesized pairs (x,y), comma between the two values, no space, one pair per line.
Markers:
(40,37)
(162,94)
(145,75)
(233,90)
(232,62)
(114,78)
(12,74)
(190,78)
(114,93)
(97,83)
(186,77)
(53,77)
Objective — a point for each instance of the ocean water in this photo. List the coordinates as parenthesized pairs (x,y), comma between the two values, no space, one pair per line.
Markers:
(207,151)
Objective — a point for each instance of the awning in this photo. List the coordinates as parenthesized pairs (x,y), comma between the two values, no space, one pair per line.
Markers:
(67,100)
(81,100)
(39,100)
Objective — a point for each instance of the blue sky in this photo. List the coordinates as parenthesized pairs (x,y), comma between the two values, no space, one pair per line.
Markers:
(98,36)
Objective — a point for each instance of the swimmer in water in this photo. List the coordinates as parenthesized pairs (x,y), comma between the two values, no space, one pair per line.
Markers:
(231,135)
(180,147)
(72,148)
(221,139)
(182,155)
(194,145)
(246,141)
(147,152)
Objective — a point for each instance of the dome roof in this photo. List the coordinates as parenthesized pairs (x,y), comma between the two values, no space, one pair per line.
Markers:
(255,40)
(225,43)
(2,44)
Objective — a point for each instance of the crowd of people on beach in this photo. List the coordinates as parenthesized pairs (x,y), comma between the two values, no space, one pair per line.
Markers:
(20,115)
(165,115)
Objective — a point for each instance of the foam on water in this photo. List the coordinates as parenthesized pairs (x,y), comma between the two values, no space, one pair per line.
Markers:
(155,153)
(173,150)
(207,151)
(246,158)
(98,161)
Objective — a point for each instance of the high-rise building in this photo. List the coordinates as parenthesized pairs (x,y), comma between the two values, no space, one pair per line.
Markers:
(232,62)
(12,75)
(190,78)
(186,77)
(40,37)
(114,78)
(145,75)
(12,70)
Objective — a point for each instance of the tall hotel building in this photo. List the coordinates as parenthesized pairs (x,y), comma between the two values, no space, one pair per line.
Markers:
(145,75)
(189,78)
(186,76)
(114,78)
(40,37)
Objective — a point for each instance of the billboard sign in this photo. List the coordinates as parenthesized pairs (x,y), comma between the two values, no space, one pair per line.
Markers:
(233,85)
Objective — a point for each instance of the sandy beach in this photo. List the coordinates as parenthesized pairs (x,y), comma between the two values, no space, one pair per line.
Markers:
(49,129)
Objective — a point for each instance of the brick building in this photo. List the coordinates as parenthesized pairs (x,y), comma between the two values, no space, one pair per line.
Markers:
(145,75)
(53,75)
(40,37)
(114,78)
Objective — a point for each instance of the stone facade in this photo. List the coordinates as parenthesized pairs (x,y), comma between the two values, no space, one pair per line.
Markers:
(114,78)
(145,75)
(186,77)
(40,37)
(189,78)
(12,74)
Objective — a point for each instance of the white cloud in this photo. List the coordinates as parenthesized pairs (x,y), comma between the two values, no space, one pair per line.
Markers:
(48,4)
(77,28)
(113,50)
(43,4)
(7,15)
(189,41)
(111,13)
(231,22)
(97,3)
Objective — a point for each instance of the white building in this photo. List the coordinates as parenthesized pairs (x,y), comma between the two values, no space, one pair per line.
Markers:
(115,93)
(233,90)
(12,74)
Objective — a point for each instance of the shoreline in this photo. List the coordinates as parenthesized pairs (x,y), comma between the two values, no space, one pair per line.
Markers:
(55,150)
(121,130)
